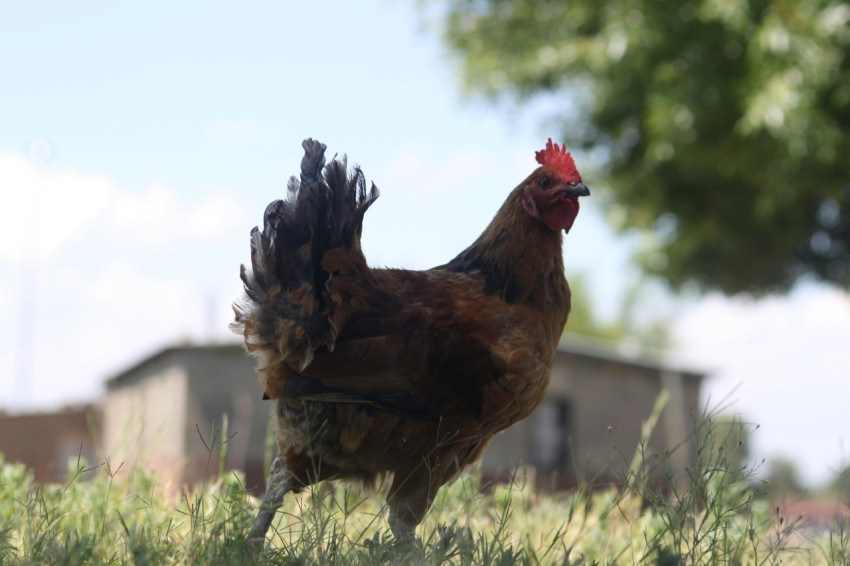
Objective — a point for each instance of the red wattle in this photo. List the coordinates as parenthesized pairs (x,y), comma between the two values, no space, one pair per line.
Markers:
(561,214)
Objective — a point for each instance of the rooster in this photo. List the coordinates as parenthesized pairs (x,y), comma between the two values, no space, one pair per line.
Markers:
(396,373)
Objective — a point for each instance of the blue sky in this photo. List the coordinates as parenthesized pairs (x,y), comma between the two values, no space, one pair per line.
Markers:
(139,143)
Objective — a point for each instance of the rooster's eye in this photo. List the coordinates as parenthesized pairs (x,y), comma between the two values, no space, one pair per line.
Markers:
(546,183)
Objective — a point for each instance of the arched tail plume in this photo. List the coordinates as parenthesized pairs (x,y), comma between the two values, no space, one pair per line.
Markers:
(288,309)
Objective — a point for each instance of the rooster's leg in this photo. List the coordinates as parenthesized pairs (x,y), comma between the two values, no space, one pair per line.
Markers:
(276,487)
(409,502)
(404,533)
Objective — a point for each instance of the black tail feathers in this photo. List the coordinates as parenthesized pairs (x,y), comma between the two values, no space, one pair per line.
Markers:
(313,160)
(323,210)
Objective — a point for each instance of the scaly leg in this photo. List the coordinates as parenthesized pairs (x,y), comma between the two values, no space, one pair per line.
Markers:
(408,502)
(276,487)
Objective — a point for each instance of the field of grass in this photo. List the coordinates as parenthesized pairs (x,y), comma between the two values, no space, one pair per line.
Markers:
(709,514)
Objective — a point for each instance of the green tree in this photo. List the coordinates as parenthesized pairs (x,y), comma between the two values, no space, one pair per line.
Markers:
(839,486)
(783,478)
(724,125)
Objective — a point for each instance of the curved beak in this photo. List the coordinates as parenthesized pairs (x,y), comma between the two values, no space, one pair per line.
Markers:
(578,190)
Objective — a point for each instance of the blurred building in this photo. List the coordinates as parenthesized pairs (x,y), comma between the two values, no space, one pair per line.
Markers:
(166,413)
(588,426)
(52,444)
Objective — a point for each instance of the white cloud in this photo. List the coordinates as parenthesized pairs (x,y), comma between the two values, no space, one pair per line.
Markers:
(790,357)
(122,290)
(149,217)
(7,374)
(137,311)
(216,215)
(115,316)
(94,308)
(6,292)
(45,209)
(156,216)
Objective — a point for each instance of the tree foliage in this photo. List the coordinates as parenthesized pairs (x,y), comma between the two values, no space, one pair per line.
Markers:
(783,478)
(840,486)
(724,124)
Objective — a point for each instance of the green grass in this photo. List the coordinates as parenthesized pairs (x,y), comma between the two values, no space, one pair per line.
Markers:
(708,514)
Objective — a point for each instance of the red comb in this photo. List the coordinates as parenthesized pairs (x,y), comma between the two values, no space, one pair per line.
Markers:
(558,158)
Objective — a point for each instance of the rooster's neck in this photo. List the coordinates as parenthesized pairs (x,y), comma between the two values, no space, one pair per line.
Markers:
(518,257)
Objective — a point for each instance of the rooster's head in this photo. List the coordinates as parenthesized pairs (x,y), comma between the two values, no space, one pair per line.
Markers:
(551,192)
